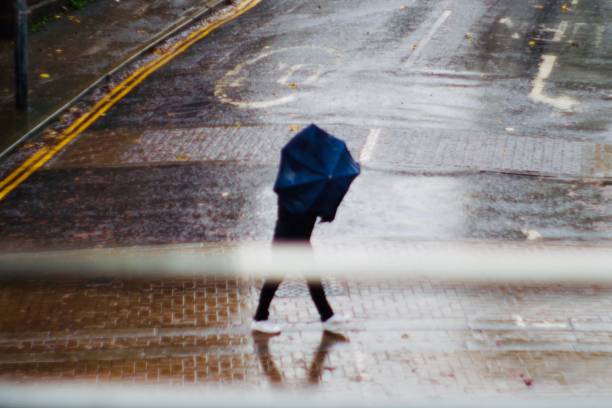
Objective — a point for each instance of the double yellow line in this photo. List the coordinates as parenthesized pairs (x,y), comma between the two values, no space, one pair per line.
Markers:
(42,156)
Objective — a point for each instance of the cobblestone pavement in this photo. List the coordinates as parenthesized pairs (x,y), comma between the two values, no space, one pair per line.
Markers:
(408,338)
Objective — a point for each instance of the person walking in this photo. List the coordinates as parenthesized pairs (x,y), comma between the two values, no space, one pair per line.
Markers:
(294,229)
(315,173)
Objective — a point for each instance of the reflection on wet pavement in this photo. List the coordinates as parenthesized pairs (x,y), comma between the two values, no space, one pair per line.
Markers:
(415,338)
(316,367)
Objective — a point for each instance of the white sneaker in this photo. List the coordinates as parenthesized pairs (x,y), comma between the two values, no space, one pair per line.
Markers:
(265,326)
(336,323)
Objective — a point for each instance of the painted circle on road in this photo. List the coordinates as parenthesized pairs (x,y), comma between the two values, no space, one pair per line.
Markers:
(274,76)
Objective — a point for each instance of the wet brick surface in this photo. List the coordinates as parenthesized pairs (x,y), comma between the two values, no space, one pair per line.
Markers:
(407,338)
(417,150)
(246,145)
(431,150)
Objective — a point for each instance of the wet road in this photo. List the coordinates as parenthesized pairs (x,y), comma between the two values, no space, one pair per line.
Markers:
(475,120)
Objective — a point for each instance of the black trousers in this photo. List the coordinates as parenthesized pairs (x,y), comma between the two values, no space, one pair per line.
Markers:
(293,228)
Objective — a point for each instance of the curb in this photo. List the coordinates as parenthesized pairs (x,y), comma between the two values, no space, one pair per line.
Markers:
(172,29)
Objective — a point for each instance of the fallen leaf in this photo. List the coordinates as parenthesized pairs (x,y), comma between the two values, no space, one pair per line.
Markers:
(294,128)
(565,7)
(182,157)
(528,381)
(292,85)
(532,43)
(415,46)
(44,75)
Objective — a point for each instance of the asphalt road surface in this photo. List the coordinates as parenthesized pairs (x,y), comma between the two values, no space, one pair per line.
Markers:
(473,119)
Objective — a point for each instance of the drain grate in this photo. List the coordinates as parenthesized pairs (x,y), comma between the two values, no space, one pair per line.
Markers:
(297,288)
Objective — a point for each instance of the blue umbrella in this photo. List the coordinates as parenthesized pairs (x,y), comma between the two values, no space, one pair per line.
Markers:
(316,171)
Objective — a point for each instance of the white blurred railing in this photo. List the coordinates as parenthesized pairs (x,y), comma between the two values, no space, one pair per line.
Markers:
(81,396)
(447,262)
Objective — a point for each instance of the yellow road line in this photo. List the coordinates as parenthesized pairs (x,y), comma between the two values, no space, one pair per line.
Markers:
(25,175)
(25,170)
(21,168)
(154,64)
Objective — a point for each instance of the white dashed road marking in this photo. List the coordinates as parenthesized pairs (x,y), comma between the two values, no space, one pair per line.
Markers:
(423,43)
(559,32)
(368,148)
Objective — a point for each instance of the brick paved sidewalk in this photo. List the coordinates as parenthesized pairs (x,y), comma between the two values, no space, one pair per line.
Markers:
(408,338)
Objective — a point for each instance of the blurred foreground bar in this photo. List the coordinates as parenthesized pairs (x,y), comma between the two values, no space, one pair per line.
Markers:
(445,262)
(81,396)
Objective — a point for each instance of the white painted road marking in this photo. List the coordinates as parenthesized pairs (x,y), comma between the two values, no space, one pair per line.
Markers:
(559,32)
(368,148)
(546,67)
(415,55)
(238,77)
(537,93)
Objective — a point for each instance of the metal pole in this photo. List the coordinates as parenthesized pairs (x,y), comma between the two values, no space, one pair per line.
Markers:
(21,55)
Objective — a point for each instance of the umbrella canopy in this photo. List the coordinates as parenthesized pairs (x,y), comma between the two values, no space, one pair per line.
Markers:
(316,171)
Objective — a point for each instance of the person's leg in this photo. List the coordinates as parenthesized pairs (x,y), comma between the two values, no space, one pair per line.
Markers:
(317,293)
(265,298)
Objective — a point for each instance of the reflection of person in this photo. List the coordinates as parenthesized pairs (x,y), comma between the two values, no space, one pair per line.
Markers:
(265,358)
(328,339)
(297,229)
(315,371)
